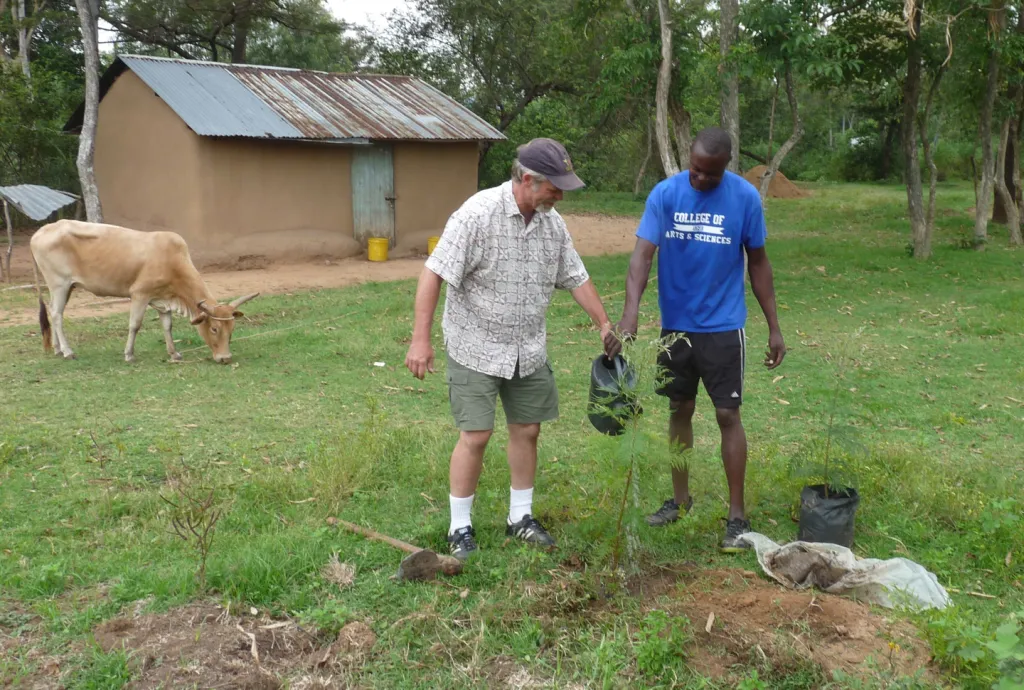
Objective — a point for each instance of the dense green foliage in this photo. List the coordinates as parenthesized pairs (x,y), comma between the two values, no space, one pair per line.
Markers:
(583,72)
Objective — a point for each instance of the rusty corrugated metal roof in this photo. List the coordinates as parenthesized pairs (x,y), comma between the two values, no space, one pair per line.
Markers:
(36,201)
(222,100)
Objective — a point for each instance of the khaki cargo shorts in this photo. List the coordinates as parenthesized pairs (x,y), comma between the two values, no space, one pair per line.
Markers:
(526,400)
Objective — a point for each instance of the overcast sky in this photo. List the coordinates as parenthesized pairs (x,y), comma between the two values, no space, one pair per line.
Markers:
(365,12)
(369,13)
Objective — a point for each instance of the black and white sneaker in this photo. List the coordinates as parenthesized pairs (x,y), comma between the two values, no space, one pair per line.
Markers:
(733,529)
(668,512)
(461,543)
(530,531)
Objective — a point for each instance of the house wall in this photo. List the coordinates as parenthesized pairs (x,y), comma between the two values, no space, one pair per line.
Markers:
(145,161)
(431,181)
(281,200)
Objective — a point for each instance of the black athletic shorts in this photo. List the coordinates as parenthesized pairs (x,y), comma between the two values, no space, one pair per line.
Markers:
(717,359)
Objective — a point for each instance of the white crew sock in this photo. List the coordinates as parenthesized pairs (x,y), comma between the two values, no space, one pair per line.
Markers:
(460,508)
(520,504)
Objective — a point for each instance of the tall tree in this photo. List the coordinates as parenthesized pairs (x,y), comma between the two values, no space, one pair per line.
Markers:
(730,109)
(922,243)
(88,13)
(798,132)
(1014,63)
(32,148)
(323,48)
(661,115)
(996,19)
(1002,187)
(911,102)
(650,60)
(25,25)
(217,30)
(789,36)
(499,56)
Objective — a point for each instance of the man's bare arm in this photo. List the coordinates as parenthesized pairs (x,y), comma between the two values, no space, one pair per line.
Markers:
(586,296)
(636,282)
(420,358)
(762,282)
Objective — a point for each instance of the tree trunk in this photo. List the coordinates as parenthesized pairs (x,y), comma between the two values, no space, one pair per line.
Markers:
(1012,211)
(1013,161)
(683,131)
(988,163)
(647,157)
(24,37)
(4,55)
(1011,173)
(798,131)
(974,177)
(830,123)
(889,134)
(88,15)
(730,104)
(925,249)
(1015,152)
(1013,165)
(771,120)
(912,167)
(239,47)
(668,161)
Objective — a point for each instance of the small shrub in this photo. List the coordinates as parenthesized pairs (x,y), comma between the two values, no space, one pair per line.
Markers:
(660,643)
(1008,647)
(195,510)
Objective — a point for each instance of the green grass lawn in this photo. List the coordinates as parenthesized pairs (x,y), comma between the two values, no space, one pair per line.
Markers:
(920,361)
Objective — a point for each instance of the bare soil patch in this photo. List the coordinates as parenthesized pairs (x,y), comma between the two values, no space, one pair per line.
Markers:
(780,188)
(757,622)
(593,235)
(203,645)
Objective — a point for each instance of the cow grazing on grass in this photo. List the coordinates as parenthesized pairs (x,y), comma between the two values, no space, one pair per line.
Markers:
(152,268)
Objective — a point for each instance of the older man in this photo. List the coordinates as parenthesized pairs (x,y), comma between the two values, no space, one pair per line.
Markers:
(502,254)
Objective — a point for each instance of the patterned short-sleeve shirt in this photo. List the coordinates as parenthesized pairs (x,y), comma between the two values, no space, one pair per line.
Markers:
(501,274)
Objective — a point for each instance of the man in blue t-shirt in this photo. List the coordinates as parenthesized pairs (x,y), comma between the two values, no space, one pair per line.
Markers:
(702,222)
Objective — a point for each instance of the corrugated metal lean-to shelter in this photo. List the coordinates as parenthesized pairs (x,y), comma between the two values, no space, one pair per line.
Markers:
(34,201)
(266,161)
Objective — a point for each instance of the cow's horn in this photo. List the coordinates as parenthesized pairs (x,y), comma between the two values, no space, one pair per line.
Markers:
(242,300)
(203,306)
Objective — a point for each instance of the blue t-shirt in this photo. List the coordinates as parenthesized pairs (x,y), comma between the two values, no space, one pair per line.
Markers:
(701,238)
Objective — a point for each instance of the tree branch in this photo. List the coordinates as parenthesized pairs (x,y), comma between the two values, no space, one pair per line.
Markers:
(856,5)
(798,132)
(145,37)
(749,154)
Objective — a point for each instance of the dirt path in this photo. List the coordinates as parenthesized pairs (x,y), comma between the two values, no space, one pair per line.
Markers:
(593,236)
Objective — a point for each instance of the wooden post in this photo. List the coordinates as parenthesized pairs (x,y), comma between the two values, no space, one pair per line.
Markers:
(10,243)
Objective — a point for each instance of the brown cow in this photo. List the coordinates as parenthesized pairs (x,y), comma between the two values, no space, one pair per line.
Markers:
(152,268)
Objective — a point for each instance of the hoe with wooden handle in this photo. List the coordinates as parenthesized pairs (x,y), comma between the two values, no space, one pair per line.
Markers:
(421,564)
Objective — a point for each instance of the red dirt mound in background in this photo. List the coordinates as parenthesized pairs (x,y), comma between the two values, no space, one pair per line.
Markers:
(780,187)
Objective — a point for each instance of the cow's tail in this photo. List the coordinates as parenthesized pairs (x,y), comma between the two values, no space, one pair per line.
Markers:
(44,317)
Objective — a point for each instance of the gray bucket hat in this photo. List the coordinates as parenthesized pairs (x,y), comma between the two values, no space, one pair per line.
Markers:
(550,159)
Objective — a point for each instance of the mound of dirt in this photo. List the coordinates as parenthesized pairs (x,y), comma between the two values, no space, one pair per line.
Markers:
(204,646)
(780,187)
(757,619)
